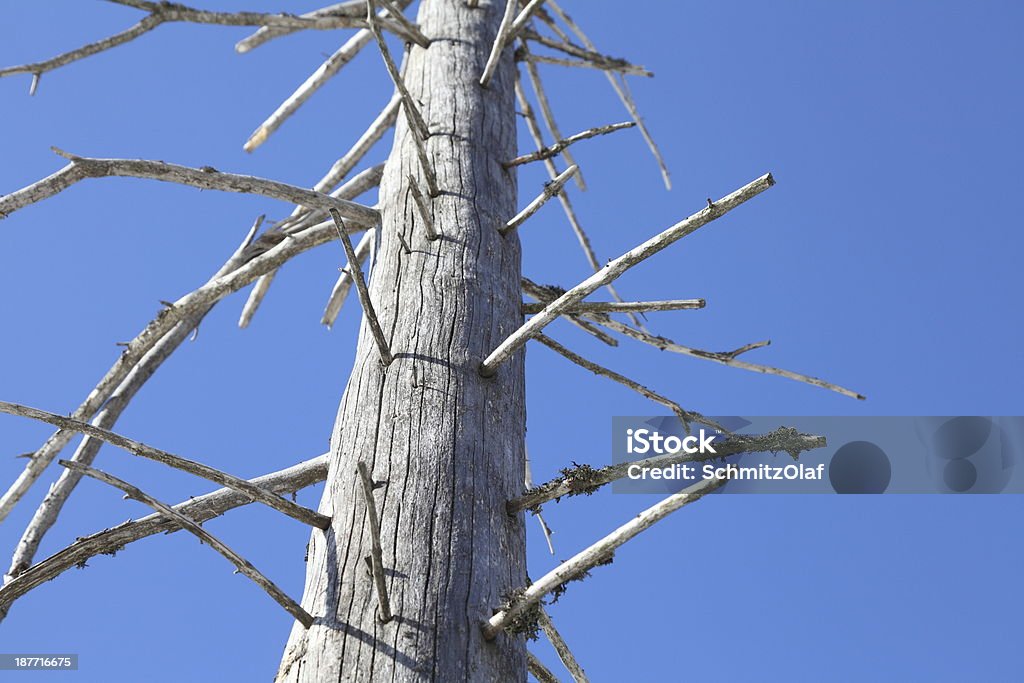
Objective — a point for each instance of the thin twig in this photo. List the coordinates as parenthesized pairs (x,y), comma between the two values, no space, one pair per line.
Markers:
(59,491)
(369,178)
(528,483)
(501,40)
(539,671)
(622,92)
(782,439)
(587,327)
(570,48)
(376,552)
(424,210)
(562,648)
(620,265)
(244,566)
(207,178)
(685,416)
(594,555)
(556,148)
(551,189)
(563,198)
(630,69)
(293,510)
(549,116)
(623,307)
(200,509)
(364,294)
(417,126)
(724,357)
(344,283)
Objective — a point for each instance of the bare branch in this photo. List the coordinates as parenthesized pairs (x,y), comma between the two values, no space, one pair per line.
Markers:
(528,483)
(304,515)
(243,565)
(539,671)
(556,148)
(49,509)
(255,299)
(199,509)
(685,416)
(630,69)
(551,189)
(161,13)
(412,111)
(314,82)
(620,265)
(364,294)
(263,256)
(524,17)
(570,48)
(562,648)
(417,126)
(500,41)
(594,555)
(206,178)
(782,439)
(587,327)
(724,357)
(344,283)
(424,209)
(563,198)
(622,307)
(407,28)
(376,552)
(350,8)
(621,89)
(384,121)
(549,115)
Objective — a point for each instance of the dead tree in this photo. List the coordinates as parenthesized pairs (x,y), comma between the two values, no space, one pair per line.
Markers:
(417,561)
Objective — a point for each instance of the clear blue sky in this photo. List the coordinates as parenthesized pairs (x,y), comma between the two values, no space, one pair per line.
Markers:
(886,259)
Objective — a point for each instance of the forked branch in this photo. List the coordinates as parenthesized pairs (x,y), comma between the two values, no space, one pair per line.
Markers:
(244,566)
(200,509)
(293,510)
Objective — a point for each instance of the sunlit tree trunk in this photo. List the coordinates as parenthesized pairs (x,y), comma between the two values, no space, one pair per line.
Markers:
(445,445)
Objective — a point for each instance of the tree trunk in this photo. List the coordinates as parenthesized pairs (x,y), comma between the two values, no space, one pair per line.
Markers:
(445,445)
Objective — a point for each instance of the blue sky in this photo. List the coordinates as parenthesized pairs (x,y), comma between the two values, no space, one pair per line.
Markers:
(886,259)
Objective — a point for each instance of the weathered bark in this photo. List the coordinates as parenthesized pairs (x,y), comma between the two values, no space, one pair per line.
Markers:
(444,444)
